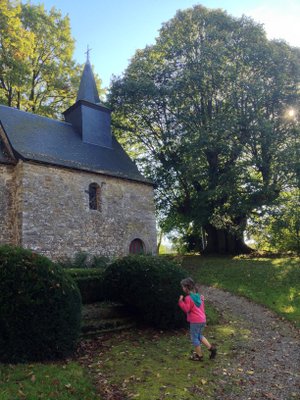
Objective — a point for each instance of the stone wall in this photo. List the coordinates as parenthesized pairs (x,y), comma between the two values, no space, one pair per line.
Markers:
(10,204)
(56,219)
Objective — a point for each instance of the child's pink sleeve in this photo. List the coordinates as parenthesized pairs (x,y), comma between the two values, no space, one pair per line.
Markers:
(185,304)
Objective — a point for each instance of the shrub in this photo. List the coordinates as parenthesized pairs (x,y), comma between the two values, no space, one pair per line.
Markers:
(89,282)
(83,260)
(100,262)
(40,308)
(150,286)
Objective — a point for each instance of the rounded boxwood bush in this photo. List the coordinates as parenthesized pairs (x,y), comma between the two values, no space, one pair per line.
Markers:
(150,286)
(40,308)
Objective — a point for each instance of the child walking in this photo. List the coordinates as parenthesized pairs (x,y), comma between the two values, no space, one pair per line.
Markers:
(193,306)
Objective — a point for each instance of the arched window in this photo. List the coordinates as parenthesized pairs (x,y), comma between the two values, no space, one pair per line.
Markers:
(137,247)
(94,197)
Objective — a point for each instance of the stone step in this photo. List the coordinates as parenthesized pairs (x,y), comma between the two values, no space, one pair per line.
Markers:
(104,326)
(98,318)
(104,310)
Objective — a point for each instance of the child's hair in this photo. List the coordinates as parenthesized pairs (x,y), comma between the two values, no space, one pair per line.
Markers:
(189,284)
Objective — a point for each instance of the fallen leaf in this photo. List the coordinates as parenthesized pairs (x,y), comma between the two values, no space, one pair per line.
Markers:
(269,396)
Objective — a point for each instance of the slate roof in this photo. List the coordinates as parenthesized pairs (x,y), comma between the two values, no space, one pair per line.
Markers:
(45,140)
(88,89)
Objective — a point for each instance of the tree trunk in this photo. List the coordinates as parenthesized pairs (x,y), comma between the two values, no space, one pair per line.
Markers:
(32,92)
(221,241)
(160,236)
(18,100)
(9,97)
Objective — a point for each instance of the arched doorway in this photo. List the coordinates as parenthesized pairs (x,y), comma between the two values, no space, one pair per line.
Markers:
(137,247)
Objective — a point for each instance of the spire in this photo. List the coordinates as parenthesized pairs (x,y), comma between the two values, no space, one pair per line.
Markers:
(87,89)
(88,117)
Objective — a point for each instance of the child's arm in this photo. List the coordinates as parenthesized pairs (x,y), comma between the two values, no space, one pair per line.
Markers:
(185,304)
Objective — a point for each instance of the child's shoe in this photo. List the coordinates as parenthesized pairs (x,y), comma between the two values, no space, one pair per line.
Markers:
(213,352)
(195,357)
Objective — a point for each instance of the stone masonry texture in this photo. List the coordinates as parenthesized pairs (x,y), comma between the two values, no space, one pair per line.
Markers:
(46,209)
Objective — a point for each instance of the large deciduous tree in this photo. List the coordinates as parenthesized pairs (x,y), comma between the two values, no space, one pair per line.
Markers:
(37,72)
(278,229)
(15,51)
(204,110)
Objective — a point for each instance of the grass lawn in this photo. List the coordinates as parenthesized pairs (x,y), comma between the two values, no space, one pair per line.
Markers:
(274,283)
(145,364)
(63,381)
(139,363)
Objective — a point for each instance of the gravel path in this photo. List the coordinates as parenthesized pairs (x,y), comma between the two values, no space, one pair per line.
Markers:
(268,366)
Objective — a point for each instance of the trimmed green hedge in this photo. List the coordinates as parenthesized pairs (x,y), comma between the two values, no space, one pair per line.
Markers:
(82,260)
(40,308)
(150,286)
(90,284)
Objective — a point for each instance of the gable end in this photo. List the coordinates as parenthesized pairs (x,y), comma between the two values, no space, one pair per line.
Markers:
(6,151)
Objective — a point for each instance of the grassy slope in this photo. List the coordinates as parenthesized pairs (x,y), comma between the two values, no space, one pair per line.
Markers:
(274,283)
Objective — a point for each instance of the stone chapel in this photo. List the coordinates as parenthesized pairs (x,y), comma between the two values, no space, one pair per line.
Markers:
(68,186)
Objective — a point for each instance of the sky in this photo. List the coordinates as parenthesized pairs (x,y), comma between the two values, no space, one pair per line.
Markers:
(115,29)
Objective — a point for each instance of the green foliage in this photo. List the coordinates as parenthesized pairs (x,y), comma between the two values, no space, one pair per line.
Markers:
(40,308)
(83,260)
(188,240)
(204,111)
(15,50)
(37,71)
(150,286)
(277,228)
(165,249)
(248,277)
(87,272)
(89,282)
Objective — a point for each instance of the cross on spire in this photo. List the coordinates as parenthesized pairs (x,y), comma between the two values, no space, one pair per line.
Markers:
(87,88)
(88,53)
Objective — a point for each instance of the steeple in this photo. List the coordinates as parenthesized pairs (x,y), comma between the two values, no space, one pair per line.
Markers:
(91,119)
(87,88)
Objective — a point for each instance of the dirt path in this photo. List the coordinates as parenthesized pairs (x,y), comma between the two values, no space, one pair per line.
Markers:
(268,366)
